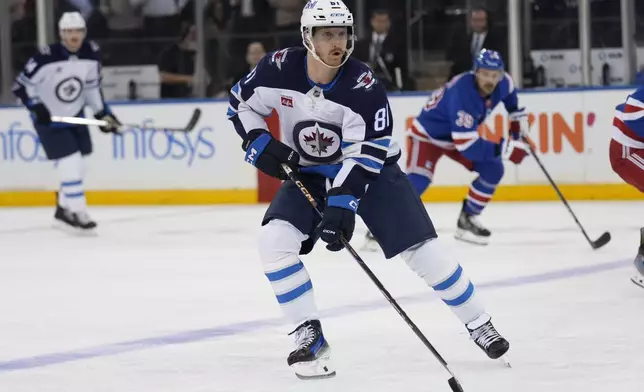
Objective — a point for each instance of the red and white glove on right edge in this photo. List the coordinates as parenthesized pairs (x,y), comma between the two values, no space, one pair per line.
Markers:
(514,150)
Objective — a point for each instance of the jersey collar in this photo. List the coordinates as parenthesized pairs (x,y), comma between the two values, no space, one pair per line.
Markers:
(324,87)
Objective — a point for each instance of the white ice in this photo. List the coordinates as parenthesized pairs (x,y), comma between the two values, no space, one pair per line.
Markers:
(174,299)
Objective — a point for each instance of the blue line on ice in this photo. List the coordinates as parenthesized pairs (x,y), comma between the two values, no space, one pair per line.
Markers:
(251,326)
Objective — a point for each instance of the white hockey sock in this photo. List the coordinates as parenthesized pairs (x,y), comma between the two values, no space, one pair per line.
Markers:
(431,261)
(72,193)
(279,246)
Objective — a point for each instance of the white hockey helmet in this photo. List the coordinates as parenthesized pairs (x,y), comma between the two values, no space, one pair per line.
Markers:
(326,13)
(71,21)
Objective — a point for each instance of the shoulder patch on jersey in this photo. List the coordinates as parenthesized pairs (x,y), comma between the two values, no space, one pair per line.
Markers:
(94,46)
(45,50)
(279,57)
(365,80)
(31,65)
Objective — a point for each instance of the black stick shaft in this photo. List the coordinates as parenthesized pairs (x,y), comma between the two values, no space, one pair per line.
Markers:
(556,188)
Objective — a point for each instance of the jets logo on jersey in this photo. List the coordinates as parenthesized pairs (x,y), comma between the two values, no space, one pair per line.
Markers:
(68,90)
(365,80)
(279,57)
(317,141)
(310,5)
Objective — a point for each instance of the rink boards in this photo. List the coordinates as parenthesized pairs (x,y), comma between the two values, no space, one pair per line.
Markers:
(571,130)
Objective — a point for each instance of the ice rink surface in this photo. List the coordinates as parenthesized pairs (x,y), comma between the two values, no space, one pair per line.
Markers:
(175,299)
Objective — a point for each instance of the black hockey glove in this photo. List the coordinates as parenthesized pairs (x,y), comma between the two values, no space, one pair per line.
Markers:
(339,218)
(40,114)
(268,154)
(107,115)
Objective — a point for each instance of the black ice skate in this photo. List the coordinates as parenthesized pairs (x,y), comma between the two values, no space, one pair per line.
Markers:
(469,229)
(73,222)
(310,359)
(638,279)
(370,243)
(487,338)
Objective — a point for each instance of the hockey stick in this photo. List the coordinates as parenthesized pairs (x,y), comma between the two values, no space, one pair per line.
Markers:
(598,243)
(453,382)
(196,114)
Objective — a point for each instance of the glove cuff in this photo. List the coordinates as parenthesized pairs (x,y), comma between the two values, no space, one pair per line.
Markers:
(34,102)
(348,202)
(252,135)
(256,147)
(105,112)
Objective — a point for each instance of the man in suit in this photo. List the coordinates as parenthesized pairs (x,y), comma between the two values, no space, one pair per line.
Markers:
(466,46)
(384,52)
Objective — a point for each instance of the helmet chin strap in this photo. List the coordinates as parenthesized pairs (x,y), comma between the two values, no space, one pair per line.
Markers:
(308,43)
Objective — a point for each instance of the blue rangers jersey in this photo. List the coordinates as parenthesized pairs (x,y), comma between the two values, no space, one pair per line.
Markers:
(452,115)
(628,124)
(341,130)
(65,82)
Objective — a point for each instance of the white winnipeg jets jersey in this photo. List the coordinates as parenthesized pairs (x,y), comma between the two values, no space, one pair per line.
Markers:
(65,82)
(341,130)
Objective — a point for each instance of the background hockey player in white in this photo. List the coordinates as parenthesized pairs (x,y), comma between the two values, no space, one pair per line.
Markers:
(336,130)
(60,80)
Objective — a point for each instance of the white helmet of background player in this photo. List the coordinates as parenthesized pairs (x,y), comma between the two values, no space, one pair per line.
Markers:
(72,30)
(327,13)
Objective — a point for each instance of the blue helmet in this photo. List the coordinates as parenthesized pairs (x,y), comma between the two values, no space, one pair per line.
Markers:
(489,59)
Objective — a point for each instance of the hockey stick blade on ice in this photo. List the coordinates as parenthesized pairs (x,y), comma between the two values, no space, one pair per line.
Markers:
(194,118)
(599,242)
(453,382)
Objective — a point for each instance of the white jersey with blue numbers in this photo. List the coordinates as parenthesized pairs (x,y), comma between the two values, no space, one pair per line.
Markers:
(341,130)
(65,82)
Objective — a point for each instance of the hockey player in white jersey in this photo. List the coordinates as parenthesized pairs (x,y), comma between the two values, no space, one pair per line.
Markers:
(61,80)
(336,127)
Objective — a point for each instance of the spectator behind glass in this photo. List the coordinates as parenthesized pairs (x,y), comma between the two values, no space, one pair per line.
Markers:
(254,53)
(253,17)
(383,50)
(161,18)
(17,9)
(465,46)
(287,21)
(177,67)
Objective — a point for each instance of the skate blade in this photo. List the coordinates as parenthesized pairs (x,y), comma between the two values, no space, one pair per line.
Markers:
(370,246)
(316,377)
(315,370)
(466,236)
(75,231)
(505,361)
(638,280)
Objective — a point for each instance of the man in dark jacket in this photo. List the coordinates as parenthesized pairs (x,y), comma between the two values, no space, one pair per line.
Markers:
(384,51)
(465,46)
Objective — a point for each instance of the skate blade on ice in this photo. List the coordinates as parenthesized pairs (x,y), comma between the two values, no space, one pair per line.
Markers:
(314,370)
(638,280)
(469,237)
(370,245)
(64,227)
(505,361)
